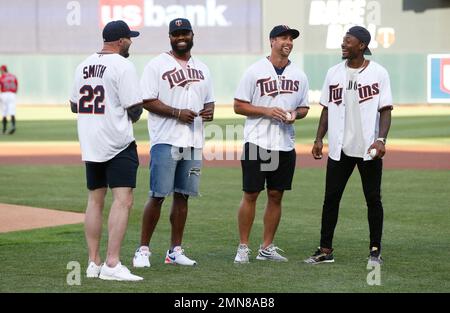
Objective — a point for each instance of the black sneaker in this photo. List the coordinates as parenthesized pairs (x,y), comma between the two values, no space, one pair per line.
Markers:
(12,131)
(320,256)
(374,257)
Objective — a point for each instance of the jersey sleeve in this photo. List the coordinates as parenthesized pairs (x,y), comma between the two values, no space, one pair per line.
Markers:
(75,91)
(246,87)
(304,102)
(129,89)
(149,82)
(385,92)
(210,92)
(324,96)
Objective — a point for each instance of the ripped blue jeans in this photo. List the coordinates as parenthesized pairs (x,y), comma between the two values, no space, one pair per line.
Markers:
(174,169)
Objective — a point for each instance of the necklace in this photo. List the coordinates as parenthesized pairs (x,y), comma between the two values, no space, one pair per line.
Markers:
(359,67)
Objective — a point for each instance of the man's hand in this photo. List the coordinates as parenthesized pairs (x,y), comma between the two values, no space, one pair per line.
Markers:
(186,116)
(292,117)
(276,113)
(317,149)
(207,114)
(381,149)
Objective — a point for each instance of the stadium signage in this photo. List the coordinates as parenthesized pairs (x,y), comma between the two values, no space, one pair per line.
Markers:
(438,78)
(146,13)
(340,15)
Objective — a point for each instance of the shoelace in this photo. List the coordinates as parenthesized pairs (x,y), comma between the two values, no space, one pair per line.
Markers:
(244,252)
(274,249)
(179,252)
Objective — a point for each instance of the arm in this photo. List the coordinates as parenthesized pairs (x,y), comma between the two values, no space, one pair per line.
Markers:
(247,109)
(73,107)
(157,107)
(207,113)
(298,114)
(384,126)
(321,132)
(134,112)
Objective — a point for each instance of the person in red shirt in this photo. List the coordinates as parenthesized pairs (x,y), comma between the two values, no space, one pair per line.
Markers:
(8,89)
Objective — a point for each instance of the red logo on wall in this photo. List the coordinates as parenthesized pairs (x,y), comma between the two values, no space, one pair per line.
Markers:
(130,11)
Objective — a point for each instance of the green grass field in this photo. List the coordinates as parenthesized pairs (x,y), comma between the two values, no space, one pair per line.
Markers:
(415,243)
(416,236)
(405,129)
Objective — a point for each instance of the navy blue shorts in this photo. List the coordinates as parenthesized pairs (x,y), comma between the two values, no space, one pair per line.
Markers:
(120,171)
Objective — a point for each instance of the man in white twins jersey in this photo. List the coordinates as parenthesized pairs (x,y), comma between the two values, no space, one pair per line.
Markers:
(357,103)
(107,98)
(272,94)
(177,92)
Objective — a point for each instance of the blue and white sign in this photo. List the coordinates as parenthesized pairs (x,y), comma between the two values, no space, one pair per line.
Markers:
(438,78)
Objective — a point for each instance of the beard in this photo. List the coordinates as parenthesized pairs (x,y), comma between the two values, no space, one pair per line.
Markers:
(189,45)
(124,52)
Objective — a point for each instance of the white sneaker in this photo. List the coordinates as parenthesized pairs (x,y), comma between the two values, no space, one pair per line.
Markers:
(119,272)
(270,253)
(178,257)
(93,270)
(375,258)
(142,257)
(242,254)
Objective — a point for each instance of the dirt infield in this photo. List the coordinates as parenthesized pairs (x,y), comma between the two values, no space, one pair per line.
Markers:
(16,217)
(397,157)
(20,218)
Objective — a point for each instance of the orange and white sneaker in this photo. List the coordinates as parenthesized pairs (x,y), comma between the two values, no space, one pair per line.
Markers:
(177,257)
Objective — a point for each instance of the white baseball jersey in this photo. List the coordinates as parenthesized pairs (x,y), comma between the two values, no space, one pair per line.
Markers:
(105,86)
(262,86)
(374,93)
(191,88)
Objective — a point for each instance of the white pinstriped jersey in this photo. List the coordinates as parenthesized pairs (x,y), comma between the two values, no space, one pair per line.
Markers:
(191,88)
(105,86)
(374,93)
(262,86)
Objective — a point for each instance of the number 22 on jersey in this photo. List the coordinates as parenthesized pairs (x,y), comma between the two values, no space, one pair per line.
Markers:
(92,100)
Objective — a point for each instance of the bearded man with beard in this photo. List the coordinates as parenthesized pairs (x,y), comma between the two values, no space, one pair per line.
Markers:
(107,99)
(177,92)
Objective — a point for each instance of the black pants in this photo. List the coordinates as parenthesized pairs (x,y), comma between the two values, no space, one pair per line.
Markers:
(338,173)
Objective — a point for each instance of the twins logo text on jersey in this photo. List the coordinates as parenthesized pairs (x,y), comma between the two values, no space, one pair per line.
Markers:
(181,78)
(268,86)
(335,94)
(365,93)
